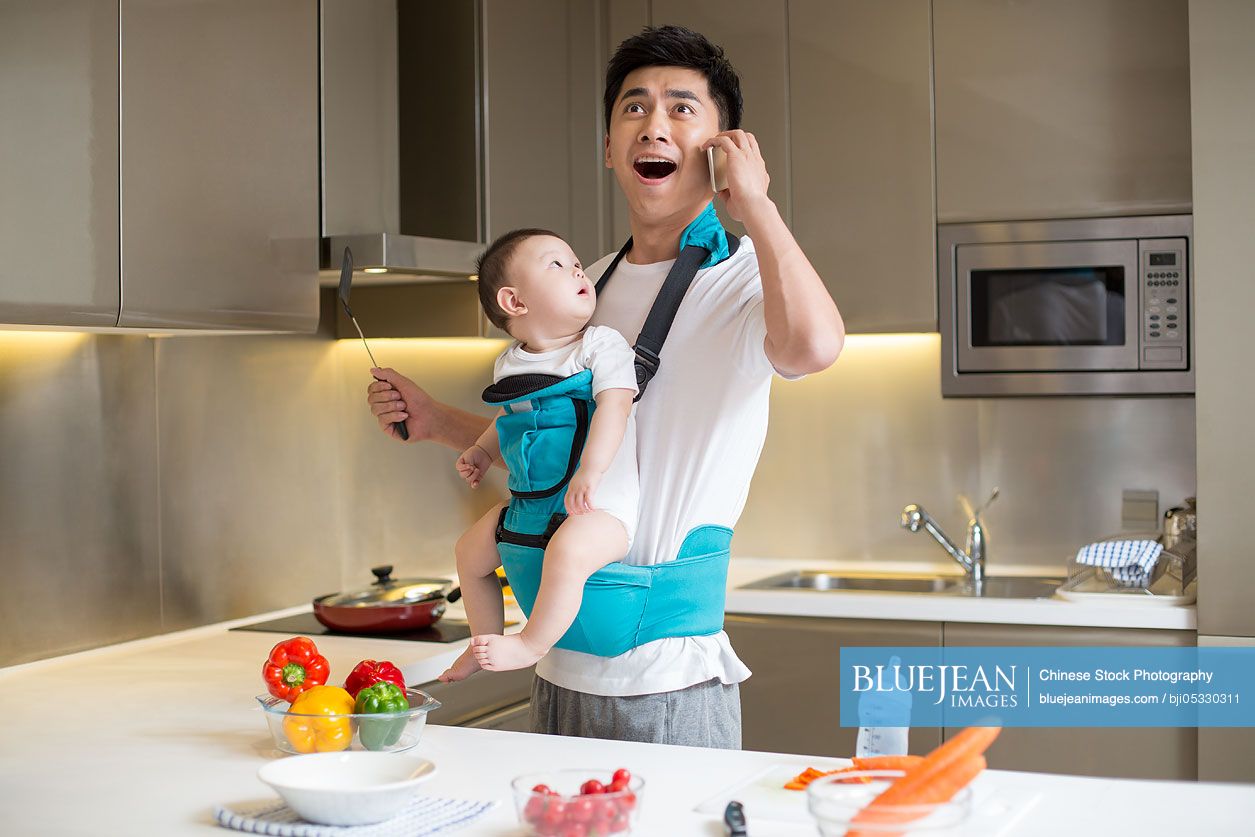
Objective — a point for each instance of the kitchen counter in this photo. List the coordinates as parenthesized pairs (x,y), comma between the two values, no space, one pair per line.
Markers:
(145,737)
(936,608)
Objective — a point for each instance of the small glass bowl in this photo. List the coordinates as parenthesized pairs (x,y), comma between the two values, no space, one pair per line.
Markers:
(834,802)
(601,814)
(390,732)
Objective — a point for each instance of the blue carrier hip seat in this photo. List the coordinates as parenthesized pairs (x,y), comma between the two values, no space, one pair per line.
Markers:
(542,434)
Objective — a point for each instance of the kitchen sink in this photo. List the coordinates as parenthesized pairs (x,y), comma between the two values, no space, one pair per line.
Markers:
(1018,587)
(995,587)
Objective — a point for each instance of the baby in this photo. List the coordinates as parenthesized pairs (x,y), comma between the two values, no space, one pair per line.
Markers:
(532,286)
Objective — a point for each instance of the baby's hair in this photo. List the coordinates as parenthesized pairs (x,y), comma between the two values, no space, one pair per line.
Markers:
(492,268)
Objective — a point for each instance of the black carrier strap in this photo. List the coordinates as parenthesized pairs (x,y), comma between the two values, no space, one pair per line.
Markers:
(662,314)
(540,541)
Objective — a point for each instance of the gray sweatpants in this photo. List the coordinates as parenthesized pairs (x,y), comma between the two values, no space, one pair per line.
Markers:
(704,715)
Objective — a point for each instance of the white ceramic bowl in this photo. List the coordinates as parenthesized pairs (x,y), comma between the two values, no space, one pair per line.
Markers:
(349,788)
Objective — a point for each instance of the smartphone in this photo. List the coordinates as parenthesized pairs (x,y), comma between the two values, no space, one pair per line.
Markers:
(717,159)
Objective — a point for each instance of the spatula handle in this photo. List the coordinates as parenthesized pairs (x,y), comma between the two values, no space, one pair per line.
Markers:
(399,426)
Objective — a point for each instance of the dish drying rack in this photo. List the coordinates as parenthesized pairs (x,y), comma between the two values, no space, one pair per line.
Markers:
(1172,582)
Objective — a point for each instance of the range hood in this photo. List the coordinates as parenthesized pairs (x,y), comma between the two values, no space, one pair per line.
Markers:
(402,161)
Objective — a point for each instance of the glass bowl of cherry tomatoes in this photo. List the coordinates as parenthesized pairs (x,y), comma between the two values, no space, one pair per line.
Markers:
(578,802)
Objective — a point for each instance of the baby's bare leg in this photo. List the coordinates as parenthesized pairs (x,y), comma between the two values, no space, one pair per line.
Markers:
(583,544)
(478,560)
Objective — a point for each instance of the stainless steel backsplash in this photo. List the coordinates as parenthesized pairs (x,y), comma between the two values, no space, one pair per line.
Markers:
(148,485)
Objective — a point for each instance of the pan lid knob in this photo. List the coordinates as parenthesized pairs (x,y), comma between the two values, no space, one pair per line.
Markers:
(383,574)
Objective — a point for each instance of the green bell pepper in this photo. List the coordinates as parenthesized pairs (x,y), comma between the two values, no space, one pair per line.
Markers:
(382,698)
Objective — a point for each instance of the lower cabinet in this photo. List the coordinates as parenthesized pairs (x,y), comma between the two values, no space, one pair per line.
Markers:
(500,700)
(791,703)
(1122,752)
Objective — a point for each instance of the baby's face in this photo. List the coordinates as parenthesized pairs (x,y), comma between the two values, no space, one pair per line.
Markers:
(550,281)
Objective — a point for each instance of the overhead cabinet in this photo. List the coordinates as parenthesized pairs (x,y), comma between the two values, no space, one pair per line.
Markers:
(838,94)
(1049,109)
(163,172)
(860,140)
(59,229)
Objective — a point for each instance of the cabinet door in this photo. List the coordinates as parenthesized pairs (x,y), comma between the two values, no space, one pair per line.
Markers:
(1126,752)
(59,163)
(1061,109)
(860,135)
(481,698)
(542,110)
(753,35)
(791,702)
(220,164)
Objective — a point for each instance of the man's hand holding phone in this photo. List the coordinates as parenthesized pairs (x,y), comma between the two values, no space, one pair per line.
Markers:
(738,173)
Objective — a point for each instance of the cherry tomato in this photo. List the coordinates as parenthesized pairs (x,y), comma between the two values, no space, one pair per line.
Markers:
(627,801)
(535,809)
(575,829)
(617,785)
(543,830)
(542,789)
(555,814)
(620,824)
(580,810)
(621,775)
(592,786)
(607,809)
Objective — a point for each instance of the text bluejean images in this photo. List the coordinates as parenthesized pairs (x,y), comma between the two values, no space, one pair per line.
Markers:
(1047,687)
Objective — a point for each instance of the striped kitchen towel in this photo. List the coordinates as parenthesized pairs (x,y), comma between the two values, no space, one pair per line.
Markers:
(425,815)
(1130,561)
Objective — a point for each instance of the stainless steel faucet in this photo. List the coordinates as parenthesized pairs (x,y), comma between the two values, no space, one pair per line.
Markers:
(971,559)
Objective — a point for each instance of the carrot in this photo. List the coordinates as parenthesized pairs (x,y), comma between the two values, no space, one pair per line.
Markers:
(972,741)
(911,789)
(942,774)
(941,788)
(902,763)
(810,774)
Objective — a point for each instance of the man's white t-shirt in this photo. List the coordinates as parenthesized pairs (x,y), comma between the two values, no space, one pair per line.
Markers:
(605,353)
(700,429)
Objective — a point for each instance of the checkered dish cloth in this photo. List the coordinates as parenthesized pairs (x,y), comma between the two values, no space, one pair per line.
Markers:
(425,815)
(1130,562)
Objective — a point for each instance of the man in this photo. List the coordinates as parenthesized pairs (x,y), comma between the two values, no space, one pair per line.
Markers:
(670,95)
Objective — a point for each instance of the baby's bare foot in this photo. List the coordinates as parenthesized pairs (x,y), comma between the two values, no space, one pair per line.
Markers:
(463,667)
(494,652)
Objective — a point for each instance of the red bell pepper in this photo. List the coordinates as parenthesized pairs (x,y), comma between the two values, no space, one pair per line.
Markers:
(294,666)
(369,672)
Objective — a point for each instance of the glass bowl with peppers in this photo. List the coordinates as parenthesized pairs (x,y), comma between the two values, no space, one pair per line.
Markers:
(372,711)
(596,803)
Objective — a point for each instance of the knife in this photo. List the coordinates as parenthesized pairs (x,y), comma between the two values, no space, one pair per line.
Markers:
(734,819)
(346,280)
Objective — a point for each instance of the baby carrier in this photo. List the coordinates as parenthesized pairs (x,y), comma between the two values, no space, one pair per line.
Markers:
(542,435)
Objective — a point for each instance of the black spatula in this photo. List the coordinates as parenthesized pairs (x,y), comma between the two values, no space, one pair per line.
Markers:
(346,281)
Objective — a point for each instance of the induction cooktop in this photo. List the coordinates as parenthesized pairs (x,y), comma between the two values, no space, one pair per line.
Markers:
(307,624)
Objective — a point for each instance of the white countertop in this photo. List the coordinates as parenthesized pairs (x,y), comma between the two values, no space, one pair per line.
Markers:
(145,737)
(1118,613)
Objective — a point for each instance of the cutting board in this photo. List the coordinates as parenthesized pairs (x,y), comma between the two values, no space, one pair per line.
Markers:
(995,810)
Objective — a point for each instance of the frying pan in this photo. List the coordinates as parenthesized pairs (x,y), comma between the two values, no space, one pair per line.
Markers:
(388,605)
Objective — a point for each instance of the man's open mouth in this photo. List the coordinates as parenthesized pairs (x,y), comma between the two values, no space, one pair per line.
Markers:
(653,168)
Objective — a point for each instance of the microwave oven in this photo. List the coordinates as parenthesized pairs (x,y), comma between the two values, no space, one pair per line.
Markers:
(1098,306)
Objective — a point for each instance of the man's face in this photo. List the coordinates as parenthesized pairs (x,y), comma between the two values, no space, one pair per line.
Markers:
(550,281)
(657,126)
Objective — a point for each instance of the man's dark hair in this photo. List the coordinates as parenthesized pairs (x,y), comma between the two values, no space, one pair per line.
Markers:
(492,266)
(675,46)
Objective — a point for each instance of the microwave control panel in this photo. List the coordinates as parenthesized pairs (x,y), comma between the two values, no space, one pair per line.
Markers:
(1164,271)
